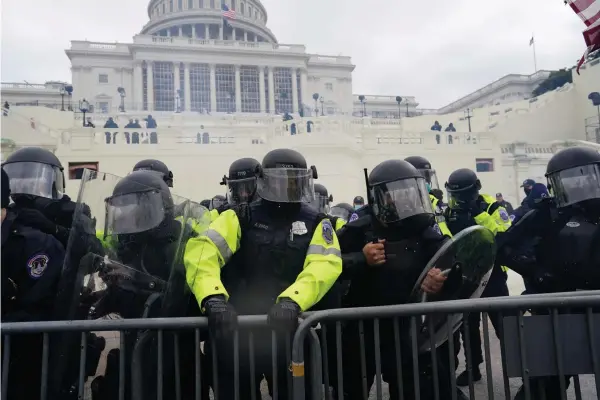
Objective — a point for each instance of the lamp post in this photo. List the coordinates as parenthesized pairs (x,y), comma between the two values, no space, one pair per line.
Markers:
(84,106)
(468,117)
(62,98)
(69,90)
(406,102)
(121,92)
(362,99)
(316,98)
(399,100)
(322,100)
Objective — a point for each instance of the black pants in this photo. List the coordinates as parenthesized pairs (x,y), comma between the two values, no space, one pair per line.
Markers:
(355,383)
(496,287)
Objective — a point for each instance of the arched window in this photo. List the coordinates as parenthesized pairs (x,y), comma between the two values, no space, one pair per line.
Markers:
(205,138)
(135,138)
(242,8)
(153,138)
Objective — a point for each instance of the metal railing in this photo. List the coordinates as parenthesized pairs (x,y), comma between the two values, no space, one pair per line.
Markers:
(546,340)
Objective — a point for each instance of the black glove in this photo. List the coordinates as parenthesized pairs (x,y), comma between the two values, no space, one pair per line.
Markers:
(283,316)
(222,318)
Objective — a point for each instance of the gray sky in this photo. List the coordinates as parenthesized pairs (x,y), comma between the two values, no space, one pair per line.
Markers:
(436,50)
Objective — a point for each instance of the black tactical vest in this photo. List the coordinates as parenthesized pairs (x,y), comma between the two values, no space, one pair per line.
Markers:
(572,255)
(271,255)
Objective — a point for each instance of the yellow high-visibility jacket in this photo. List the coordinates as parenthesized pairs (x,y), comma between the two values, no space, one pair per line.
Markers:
(439,216)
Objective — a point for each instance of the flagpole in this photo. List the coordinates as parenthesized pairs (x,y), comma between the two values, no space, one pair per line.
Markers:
(534,56)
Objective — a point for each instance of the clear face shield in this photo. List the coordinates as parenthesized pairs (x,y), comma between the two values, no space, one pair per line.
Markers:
(42,180)
(399,200)
(134,212)
(321,203)
(576,185)
(241,190)
(431,180)
(286,185)
(340,212)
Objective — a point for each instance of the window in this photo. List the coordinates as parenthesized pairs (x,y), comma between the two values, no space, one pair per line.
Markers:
(190,4)
(200,87)
(283,90)
(171,6)
(484,164)
(225,82)
(164,86)
(212,3)
(330,110)
(179,5)
(329,86)
(103,106)
(250,89)
(102,78)
(76,168)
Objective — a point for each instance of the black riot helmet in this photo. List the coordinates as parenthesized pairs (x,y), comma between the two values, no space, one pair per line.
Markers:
(342,210)
(398,193)
(35,171)
(205,203)
(156,166)
(241,182)
(322,198)
(141,201)
(217,201)
(574,176)
(284,177)
(424,167)
(463,186)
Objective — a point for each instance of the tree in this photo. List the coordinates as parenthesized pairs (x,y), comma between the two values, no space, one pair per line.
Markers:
(554,81)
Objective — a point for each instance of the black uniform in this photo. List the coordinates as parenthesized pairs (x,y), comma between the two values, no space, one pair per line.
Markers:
(31,265)
(556,247)
(403,216)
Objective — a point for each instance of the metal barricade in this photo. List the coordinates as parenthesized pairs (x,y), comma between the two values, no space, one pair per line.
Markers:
(544,340)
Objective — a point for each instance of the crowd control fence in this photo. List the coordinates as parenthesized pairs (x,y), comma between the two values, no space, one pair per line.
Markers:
(549,344)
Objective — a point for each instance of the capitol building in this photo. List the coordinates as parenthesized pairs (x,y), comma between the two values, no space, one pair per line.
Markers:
(219,86)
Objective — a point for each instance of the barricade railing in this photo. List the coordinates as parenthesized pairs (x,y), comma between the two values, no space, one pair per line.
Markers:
(557,342)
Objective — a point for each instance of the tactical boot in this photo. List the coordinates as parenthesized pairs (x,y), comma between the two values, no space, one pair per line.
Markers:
(463,378)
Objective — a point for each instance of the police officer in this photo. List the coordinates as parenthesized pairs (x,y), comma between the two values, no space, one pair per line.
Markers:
(241,182)
(38,191)
(342,210)
(564,251)
(31,265)
(468,207)
(285,257)
(322,203)
(397,240)
(424,167)
(217,204)
(358,202)
(156,166)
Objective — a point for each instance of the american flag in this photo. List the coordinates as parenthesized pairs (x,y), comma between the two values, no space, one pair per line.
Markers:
(589,12)
(227,13)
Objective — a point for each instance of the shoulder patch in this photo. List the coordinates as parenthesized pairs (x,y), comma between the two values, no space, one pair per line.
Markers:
(504,215)
(353,217)
(36,265)
(512,217)
(437,228)
(327,231)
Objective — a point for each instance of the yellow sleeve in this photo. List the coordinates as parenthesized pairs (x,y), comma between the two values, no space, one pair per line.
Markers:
(206,254)
(214,214)
(439,216)
(105,241)
(339,223)
(322,267)
(497,222)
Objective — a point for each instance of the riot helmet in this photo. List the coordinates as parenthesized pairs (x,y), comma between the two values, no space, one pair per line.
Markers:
(398,192)
(140,202)
(463,186)
(35,171)
(205,203)
(358,202)
(322,199)
(574,176)
(342,210)
(285,178)
(241,182)
(424,167)
(158,167)
(217,202)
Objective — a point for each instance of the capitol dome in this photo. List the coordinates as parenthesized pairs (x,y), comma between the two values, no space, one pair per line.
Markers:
(203,19)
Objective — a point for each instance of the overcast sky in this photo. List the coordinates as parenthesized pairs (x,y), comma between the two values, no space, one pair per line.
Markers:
(436,50)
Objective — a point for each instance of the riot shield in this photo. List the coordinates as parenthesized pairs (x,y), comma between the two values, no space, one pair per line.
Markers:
(467,261)
(124,260)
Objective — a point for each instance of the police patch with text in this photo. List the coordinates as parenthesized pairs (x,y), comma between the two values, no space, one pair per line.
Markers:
(353,217)
(36,265)
(504,215)
(327,231)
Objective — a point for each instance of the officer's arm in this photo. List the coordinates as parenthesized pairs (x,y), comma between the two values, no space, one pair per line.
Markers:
(339,224)
(496,219)
(214,214)
(322,267)
(206,254)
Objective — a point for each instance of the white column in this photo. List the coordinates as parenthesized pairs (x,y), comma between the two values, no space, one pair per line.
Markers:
(233,35)
(271,91)
(168,32)
(176,85)
(138,86)
(245,36)
(193,31)
(304,86)
(180,31)
(150,82)
(255,38)
(221,31)
(294,90)
(187,89)
(206,31)
(213,88)
(238,90)
(261,89)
